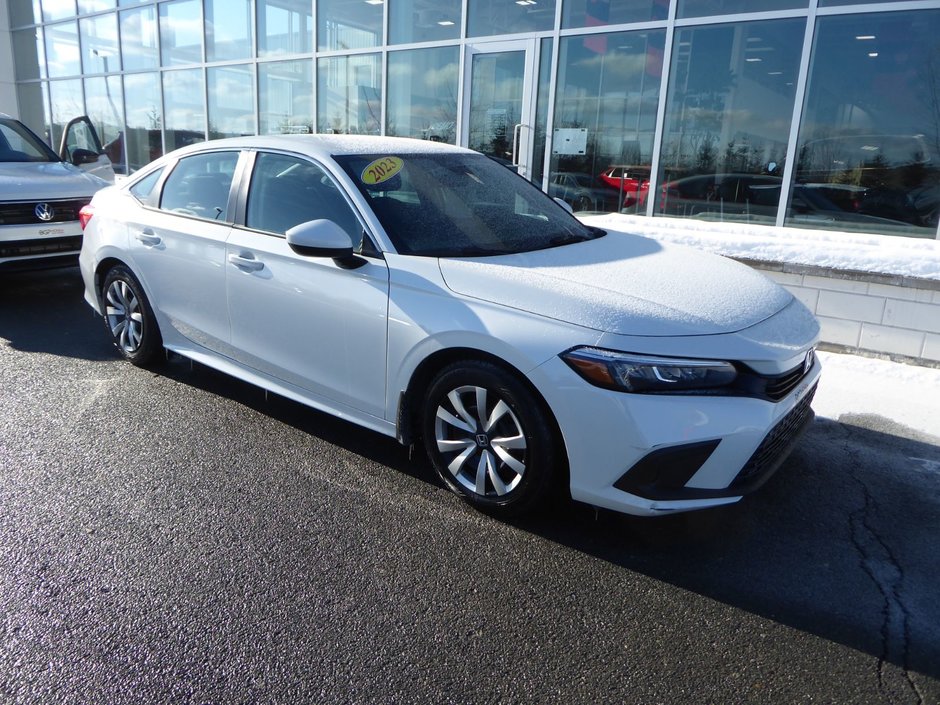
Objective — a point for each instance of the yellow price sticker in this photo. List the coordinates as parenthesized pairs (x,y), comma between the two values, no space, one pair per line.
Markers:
(381,170)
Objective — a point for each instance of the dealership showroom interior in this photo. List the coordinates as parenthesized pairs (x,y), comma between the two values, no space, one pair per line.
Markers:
(799,136)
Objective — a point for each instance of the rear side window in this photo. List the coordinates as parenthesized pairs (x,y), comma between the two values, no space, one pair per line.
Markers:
(199,186)
(144,188)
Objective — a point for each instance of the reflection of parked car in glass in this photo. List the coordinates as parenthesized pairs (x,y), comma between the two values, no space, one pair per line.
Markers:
(633,181)
(885,175)
(721,193)
(755,197)
(578,191)
(40,199)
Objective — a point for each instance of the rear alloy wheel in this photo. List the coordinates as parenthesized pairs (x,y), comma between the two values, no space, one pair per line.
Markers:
(129,318)
(488,438)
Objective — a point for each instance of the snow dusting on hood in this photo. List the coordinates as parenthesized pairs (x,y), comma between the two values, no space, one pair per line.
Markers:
(882,254)
(623,284)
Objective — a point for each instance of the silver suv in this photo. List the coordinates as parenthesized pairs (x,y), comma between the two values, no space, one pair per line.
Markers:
(41,196)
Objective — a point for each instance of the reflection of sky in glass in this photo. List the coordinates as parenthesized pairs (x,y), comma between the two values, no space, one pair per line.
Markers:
(349,94)
(183,99)
(99,44)
(139,39)
(422,94)
(56,9)
(288,27)
(228,29)
(142,100)
(103,100)
(66,97)
(181,32)
(86,6)
(286,100)
(349,24)
(423,20)
(62,55)
(231,101)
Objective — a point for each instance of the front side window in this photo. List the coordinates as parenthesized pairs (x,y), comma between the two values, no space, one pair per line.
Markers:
(459,205)
(286,191)
(199,186)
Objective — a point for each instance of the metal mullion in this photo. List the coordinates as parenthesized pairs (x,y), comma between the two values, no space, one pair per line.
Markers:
(550,118)
(659,133)
(897,6)
(741,17)
(796,118)
(613,28)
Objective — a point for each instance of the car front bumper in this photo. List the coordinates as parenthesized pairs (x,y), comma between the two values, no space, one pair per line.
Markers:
(650,454)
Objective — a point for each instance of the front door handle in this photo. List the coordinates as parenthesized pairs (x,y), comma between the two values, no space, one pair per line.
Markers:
(249,264)
(149,237)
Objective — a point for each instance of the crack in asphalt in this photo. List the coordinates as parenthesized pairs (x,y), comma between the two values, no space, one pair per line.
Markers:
(879,562)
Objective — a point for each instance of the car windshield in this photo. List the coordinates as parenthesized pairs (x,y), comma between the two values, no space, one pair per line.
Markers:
(459,205)
(18,144)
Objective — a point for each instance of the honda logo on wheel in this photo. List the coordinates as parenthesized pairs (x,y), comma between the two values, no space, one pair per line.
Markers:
(44,212)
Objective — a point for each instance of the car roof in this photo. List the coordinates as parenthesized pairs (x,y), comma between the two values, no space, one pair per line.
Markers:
(317,145)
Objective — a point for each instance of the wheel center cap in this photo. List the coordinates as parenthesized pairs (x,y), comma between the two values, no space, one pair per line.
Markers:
(482,440)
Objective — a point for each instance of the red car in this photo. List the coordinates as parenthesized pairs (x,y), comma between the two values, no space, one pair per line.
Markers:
(634,181)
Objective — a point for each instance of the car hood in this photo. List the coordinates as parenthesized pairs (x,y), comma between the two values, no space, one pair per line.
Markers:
(623,284)
(26,181)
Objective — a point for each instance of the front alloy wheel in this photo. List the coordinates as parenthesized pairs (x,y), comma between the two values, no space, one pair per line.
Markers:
(489,438)
(129,318)
(482,440)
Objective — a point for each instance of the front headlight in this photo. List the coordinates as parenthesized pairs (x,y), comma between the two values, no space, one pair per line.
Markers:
(641,373)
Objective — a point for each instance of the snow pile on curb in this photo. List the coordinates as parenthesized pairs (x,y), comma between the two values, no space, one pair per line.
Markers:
(881,254)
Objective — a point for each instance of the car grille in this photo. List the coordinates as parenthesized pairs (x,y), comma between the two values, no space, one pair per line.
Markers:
(46,246)
(778,387)
(777,442)
(24,212)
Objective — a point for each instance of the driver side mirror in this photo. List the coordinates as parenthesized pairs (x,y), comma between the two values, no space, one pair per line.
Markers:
(83,156)
(324,238)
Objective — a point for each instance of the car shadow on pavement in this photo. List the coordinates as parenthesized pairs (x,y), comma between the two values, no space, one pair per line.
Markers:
(69,327)
(841,543)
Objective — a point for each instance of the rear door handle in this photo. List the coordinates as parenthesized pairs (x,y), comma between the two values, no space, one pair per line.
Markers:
(249,264)
(149,237)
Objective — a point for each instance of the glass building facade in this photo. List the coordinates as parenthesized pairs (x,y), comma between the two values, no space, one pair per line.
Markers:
(821,114)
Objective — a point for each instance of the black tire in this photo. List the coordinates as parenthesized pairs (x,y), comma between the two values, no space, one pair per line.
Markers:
(515,461)
(583,204)
(129,318)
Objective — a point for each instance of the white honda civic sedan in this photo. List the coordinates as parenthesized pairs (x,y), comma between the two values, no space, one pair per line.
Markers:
(430,294)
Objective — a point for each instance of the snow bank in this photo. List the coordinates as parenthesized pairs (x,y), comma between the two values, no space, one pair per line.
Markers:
(881,254)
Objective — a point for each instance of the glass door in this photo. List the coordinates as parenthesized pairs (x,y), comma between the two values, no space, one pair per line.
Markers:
(499,105)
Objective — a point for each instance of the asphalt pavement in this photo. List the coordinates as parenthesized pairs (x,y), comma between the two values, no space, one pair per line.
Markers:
(176,536)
